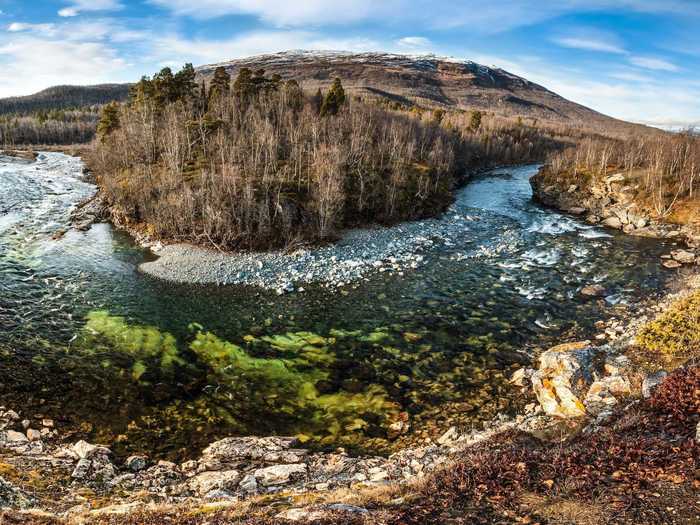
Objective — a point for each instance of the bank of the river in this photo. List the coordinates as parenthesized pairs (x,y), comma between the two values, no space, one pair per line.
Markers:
(611,201)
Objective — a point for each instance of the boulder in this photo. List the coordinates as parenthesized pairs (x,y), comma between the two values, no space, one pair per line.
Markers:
(563,378)
(651,381)
(267,449)
(280,474)
(671,264)
(206,482)
(136,463)
(683,256)
(613,222)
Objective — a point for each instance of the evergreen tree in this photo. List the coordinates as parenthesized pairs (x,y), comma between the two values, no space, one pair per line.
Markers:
(243,86)
(295,95)
(220,84)
(185,83)
(109,121)
(335,98)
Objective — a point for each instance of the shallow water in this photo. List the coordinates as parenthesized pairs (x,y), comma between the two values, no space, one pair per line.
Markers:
(85,337)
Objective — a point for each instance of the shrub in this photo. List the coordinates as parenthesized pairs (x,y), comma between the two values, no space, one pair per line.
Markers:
(676,333)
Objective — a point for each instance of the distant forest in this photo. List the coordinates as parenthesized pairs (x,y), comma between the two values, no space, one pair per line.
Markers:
(56,116)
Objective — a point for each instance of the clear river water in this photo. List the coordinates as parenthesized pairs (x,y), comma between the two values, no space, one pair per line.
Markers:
(142,364)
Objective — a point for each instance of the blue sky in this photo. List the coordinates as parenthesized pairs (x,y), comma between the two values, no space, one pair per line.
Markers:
(633,59)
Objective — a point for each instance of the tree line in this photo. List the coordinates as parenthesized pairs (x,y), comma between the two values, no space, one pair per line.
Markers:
(664,167)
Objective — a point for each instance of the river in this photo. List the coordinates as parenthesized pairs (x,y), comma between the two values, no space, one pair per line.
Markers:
(121,357)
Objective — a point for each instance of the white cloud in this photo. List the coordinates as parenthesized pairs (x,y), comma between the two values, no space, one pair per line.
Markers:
(19,27)
(414,42)
(589,44)
(78,6)
(36,63)
(656,64)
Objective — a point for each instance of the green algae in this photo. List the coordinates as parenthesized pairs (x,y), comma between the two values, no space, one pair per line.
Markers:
(288,379)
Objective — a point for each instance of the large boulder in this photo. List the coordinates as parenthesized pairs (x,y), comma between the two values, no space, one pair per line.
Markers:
(564,377)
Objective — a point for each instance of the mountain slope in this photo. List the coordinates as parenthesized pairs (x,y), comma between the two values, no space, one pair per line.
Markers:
(427,81)
(65,97)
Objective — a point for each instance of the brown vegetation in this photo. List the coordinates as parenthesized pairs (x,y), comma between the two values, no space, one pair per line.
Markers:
(56,127)
(665,168)
(262,165)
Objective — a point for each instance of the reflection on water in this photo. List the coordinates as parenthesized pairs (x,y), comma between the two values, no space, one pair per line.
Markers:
(85,336)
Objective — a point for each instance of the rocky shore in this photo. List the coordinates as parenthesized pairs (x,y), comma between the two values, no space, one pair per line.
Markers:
(611,202)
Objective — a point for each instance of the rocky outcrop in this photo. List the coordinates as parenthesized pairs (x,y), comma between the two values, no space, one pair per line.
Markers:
(575,380)
(609,202)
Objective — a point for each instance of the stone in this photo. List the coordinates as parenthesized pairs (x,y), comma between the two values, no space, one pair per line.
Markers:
(136,463)
(671,264)
(613,222)
(449,436)
(303,514)
(206,482)
(249,484)
(697,433)
(280,474)
(82,449)
(48,423)
(563,377)
(14,437)
(651,381)
(11,496)
(33,435)
(593,290)
(577,210)
(82,469)
(519,377)
(343,507)
(683,256)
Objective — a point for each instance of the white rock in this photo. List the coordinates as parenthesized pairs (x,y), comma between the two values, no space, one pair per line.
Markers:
(13,436)
(683,256)
(280,474)
(33,435)
(206,482)
(651,382)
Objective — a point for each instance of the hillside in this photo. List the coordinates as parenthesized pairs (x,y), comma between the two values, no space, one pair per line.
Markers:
(64,97)
(427,81)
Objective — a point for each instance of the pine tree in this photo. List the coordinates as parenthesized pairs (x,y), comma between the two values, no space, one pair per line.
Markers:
(220,84)
(295,95)
(335,98)
(185,83)
(109,121)
(243,86)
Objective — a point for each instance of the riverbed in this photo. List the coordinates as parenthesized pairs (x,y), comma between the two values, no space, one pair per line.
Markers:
(390,336)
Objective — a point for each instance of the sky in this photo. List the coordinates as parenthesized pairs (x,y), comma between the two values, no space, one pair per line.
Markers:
(638,60)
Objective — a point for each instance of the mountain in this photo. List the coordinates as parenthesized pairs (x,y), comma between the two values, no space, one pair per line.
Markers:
(65,97)
(427,81)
